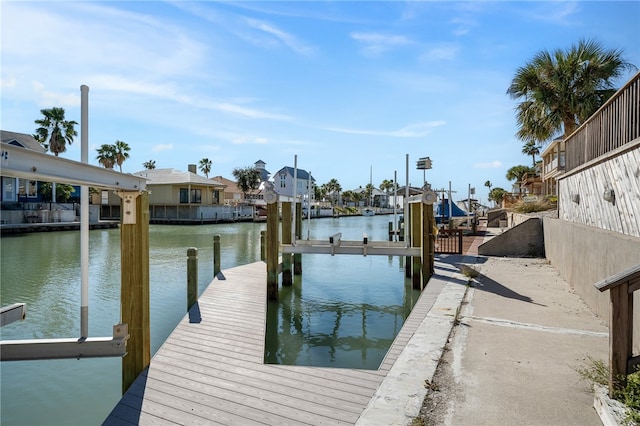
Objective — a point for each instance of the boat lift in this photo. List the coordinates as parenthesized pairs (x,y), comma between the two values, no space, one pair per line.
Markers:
(28,164)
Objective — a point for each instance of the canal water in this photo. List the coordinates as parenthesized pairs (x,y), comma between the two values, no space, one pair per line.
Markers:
(343,312)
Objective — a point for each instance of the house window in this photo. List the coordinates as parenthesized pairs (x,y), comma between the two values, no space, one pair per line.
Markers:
(184,195)
(8,189)
(283,181)
(32,189)
(104,197)
(216,196)
(196,196)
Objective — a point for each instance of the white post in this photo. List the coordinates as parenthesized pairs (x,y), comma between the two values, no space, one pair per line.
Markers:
(295,198)
(405,207)
(450,203)
(309,206)
(395,204)
(84,215)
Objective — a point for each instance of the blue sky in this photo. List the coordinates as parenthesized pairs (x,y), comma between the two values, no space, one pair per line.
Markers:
(348,87)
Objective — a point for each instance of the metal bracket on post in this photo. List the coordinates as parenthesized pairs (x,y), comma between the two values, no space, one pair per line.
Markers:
(129,206)
(90,347)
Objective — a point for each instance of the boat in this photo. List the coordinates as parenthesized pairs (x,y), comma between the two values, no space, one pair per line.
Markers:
(368,212)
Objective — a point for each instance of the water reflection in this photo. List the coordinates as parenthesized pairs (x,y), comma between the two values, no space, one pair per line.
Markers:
(344,311)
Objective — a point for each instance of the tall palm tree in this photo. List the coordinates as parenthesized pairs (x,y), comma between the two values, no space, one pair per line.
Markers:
(205,166)
(54,131)
(149,165)
(107,155)
(532,149)
(488,184)
(122,152)
(559,90)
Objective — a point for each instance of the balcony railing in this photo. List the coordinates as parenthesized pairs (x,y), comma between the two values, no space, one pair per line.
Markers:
(615,124)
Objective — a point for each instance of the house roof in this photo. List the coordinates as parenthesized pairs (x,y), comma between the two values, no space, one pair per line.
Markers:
(231,186)
(175,177)
(302,174)
(21,139)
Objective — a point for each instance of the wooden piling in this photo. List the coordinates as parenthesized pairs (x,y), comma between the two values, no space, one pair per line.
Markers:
(192,277)
(430,229)
(273,243)
(216,255)
(416,241)
(134,289)
(287,270)
(263,243)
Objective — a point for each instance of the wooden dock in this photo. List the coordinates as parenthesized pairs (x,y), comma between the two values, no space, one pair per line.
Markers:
(211,371)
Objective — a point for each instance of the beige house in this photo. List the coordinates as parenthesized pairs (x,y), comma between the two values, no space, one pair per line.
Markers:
(232,194)
(171,186)
(553,165)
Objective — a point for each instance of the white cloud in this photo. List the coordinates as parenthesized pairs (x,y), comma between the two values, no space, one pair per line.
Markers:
(444,52)
(377,43)
(491,165)
(47,98)
(162,147)
(280,36)
(416,130)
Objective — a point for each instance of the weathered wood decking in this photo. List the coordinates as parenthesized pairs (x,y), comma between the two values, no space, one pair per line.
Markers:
(211,371)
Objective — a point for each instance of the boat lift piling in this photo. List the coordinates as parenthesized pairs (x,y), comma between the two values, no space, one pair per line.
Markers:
(419,245)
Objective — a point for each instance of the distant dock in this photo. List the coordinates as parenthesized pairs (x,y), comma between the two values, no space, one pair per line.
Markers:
(22,228)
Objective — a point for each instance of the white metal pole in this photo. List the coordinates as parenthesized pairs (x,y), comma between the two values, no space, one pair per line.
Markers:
(450,211)
(84,214)
(406,205)
(395,205)
(309,206)
(295,198)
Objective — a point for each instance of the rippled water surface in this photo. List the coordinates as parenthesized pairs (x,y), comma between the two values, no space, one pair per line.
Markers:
(343,312)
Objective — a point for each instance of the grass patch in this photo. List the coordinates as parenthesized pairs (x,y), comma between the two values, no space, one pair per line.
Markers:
(597,372)
(532,207)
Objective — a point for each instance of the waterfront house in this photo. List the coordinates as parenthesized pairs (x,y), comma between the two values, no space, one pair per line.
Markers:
(232,193)
(283,182)
(553,163)
(17,189)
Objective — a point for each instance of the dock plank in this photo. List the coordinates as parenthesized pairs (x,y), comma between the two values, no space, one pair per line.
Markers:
(213,371)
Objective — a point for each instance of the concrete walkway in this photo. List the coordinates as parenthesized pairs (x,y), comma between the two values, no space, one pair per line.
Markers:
(512,358)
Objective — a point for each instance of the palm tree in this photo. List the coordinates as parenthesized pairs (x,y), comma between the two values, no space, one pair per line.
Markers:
(205,166)
(334,189)
(518,173)
(560,90)
(532,149)
(248,179)
(107,155)
(54,131)
(488,184)
(387,186)
(122,152)
(149,165)
(496,195)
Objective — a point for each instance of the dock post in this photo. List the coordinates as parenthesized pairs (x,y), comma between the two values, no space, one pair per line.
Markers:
(297,258)
(134,288)
(430,228)
(273,242)
(416,241)
(287,272)
(391,231)
(192,277)
(409,238)
(263,248)
(216,255)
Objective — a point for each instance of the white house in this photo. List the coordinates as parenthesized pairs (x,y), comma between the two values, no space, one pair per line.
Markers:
(283,182)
